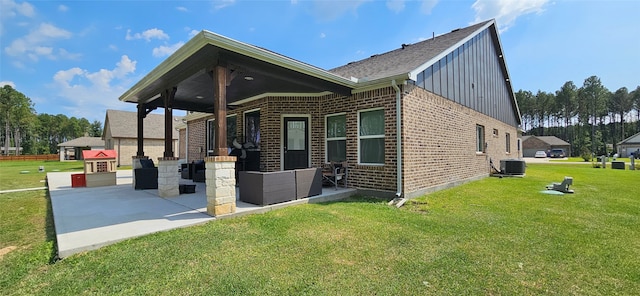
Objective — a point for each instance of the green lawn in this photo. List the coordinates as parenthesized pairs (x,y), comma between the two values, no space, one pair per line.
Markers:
(25,174)
(493,236)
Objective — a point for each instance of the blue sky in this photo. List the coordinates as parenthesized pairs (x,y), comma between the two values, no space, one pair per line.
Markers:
(77,57)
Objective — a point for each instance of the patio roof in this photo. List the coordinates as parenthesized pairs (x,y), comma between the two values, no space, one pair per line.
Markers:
(254,71)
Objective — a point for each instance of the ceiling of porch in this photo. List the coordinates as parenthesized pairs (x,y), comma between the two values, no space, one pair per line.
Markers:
(252,71)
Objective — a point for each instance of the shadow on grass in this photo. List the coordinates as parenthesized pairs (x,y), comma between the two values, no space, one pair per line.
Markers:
(357,198)
(50,229)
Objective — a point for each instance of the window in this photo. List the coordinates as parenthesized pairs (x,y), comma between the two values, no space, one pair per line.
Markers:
(371,136)
(101,167)
(495,132)
(232,131)
(211,133)
(508,139)
(480,138)
(336,137)
(252,127)
(211,136)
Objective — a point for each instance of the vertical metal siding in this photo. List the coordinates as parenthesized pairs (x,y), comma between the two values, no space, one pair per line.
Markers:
(471,75)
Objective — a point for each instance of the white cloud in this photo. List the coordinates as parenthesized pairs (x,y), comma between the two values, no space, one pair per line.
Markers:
(63,8)
(9,83)
(220,4)
(193,33)
(331,10)
(10,9)
(113,47)
(166,50)
(506,11)
(427,6)
(182,8)
(84,92)
(395,5)
(154,33)
(37,43)
(323,35)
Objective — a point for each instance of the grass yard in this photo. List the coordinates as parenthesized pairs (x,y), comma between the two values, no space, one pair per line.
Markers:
(493,236)
(24,174)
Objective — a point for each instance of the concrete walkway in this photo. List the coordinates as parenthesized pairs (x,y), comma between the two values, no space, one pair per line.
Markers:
(89,218)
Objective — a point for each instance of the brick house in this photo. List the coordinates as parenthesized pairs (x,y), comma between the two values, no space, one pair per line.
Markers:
(419,118)
(120,134)
(531,144)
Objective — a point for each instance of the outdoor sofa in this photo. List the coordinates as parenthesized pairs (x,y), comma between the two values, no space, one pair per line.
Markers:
(267,188)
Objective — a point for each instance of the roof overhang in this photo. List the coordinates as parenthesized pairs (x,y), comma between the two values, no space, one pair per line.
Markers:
(254,72)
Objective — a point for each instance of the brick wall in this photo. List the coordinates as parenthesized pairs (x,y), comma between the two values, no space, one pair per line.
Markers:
(439,142)
(127,148)
(197,137)
(439,137)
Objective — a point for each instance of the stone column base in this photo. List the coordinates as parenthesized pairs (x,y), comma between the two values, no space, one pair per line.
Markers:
(168,178)
(220,175)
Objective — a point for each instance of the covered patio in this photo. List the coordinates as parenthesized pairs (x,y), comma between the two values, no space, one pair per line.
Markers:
(212,74)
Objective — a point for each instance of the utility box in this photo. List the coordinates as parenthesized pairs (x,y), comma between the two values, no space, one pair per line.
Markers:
(100,167)
(78,180)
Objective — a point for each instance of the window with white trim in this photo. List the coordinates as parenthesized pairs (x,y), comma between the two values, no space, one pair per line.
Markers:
(480,147)
(336,137)
(371,136)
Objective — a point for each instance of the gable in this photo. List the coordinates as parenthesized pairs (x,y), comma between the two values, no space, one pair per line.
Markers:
(635,139)
(466,66)
(124,124)
(471,75)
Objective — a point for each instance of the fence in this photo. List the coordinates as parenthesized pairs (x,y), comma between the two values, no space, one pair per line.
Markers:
(30,157)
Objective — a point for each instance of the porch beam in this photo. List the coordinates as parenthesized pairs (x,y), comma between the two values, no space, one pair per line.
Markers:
(219,75)
(141,115)
(168,96)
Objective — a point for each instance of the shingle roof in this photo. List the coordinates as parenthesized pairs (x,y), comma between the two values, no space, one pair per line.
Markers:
(405,59)
(124,124)
(635,139)
(551,140)
(83,142)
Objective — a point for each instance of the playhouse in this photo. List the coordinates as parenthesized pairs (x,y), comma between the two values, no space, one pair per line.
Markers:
(99,167)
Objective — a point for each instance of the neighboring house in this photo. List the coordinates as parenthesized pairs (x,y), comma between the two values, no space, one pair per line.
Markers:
(72,150)
(629,145)
(419,118)
(531,144)
(121,131)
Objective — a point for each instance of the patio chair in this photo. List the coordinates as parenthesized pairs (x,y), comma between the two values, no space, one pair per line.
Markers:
(336,173)
(146,177)
(562,187)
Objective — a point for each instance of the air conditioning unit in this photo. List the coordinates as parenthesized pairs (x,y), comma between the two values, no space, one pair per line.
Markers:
(515,167)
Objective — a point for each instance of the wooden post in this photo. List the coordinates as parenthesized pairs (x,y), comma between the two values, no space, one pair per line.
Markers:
(141,115)
(220,110)
(168,97)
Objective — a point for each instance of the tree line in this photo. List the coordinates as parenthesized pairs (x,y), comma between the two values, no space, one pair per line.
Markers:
(23,131)
(591,118)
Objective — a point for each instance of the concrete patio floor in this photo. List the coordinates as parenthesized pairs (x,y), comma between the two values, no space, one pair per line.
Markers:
(90,218)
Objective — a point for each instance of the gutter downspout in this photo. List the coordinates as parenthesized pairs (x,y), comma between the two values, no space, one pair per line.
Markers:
(398,140)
